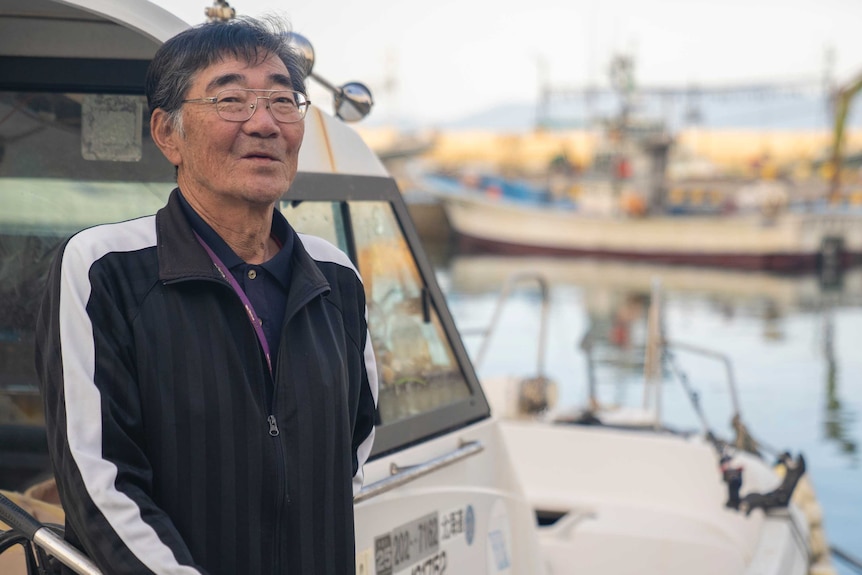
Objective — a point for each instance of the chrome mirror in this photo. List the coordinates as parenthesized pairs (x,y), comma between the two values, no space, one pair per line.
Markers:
(353,102)
(304,49)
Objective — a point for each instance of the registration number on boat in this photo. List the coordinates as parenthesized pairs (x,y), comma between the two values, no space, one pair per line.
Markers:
(416,540)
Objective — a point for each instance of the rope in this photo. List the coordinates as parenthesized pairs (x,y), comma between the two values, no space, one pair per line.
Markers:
(853,562)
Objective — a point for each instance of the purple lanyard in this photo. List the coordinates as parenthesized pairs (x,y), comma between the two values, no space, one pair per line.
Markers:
(256,322)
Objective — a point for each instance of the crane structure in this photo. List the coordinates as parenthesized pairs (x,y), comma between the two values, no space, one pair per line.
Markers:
(842,99)
(623,87)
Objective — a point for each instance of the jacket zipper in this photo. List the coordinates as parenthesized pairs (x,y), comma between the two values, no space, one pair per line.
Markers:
(281,475)
(273,426)
(283,497)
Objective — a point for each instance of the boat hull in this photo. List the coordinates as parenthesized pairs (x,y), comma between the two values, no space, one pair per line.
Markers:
(790,242)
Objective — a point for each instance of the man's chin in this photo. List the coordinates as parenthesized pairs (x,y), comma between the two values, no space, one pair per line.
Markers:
(266,192)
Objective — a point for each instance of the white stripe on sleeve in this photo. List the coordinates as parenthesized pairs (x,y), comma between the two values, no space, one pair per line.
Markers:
(322,250)
(83,404)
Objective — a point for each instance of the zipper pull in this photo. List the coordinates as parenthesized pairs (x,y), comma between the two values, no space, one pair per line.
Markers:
(273,426)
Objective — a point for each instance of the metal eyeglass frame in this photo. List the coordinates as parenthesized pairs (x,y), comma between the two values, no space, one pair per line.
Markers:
(302,107)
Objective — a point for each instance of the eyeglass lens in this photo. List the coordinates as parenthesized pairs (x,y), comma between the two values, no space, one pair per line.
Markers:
(239,105)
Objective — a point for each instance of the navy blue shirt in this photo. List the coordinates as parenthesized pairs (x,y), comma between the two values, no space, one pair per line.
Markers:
(265,284)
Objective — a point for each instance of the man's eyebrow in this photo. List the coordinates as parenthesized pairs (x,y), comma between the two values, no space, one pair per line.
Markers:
(228,79)
(222,81)
(282,79)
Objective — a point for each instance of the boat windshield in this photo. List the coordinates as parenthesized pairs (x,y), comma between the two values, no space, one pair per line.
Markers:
(418,368)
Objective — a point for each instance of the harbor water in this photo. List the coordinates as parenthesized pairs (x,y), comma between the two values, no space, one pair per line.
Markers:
(793,343)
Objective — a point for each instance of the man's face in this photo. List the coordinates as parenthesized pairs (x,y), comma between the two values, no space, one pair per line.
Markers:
(253,161)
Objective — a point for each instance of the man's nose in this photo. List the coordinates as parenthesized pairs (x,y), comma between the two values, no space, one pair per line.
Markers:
(261,122)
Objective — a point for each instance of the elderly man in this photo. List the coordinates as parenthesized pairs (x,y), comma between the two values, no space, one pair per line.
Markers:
(208,377)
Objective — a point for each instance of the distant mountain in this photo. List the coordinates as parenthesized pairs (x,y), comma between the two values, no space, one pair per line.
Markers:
(505,118)
(785,112)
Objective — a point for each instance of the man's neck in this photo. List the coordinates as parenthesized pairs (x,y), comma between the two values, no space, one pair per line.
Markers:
(245,227)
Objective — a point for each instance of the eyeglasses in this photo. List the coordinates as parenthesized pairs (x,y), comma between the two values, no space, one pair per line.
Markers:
(239,105)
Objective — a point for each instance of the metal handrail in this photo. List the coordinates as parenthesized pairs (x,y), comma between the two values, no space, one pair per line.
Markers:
(65,553)
(402,475)
(508,286)
(728,367)
(22,522)
(656,340)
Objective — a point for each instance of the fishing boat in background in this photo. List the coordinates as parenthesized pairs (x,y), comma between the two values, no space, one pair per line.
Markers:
(454,484)
(641,200)
(501,218)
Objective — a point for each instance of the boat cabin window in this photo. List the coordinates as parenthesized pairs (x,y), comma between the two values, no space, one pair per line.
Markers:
(420,374)
(55,179)
(68,161)
(418,369)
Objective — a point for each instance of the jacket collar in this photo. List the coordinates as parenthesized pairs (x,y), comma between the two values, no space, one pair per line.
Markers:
(182,257)
(180,254)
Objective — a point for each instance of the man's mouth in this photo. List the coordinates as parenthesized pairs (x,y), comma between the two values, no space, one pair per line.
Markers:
(260,156)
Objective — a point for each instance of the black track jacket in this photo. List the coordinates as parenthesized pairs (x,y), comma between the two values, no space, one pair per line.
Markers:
(158,419)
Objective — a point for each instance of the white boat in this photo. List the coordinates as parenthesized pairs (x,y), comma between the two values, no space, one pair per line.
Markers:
(781,239)
(449,487)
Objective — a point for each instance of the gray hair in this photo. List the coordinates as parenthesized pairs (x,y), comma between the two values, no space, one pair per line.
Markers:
(173,68)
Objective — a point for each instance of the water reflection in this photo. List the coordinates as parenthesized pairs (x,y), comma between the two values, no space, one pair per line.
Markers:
(731,290)
(718,307)
(837,420)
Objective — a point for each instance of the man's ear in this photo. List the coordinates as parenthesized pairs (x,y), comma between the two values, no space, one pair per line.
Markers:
(165,136)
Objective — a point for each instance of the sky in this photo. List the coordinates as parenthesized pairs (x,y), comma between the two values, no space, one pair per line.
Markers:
(434,62)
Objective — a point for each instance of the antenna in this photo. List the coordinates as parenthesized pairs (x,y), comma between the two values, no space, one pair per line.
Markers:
(542,110)
(828,84)
(220,11)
